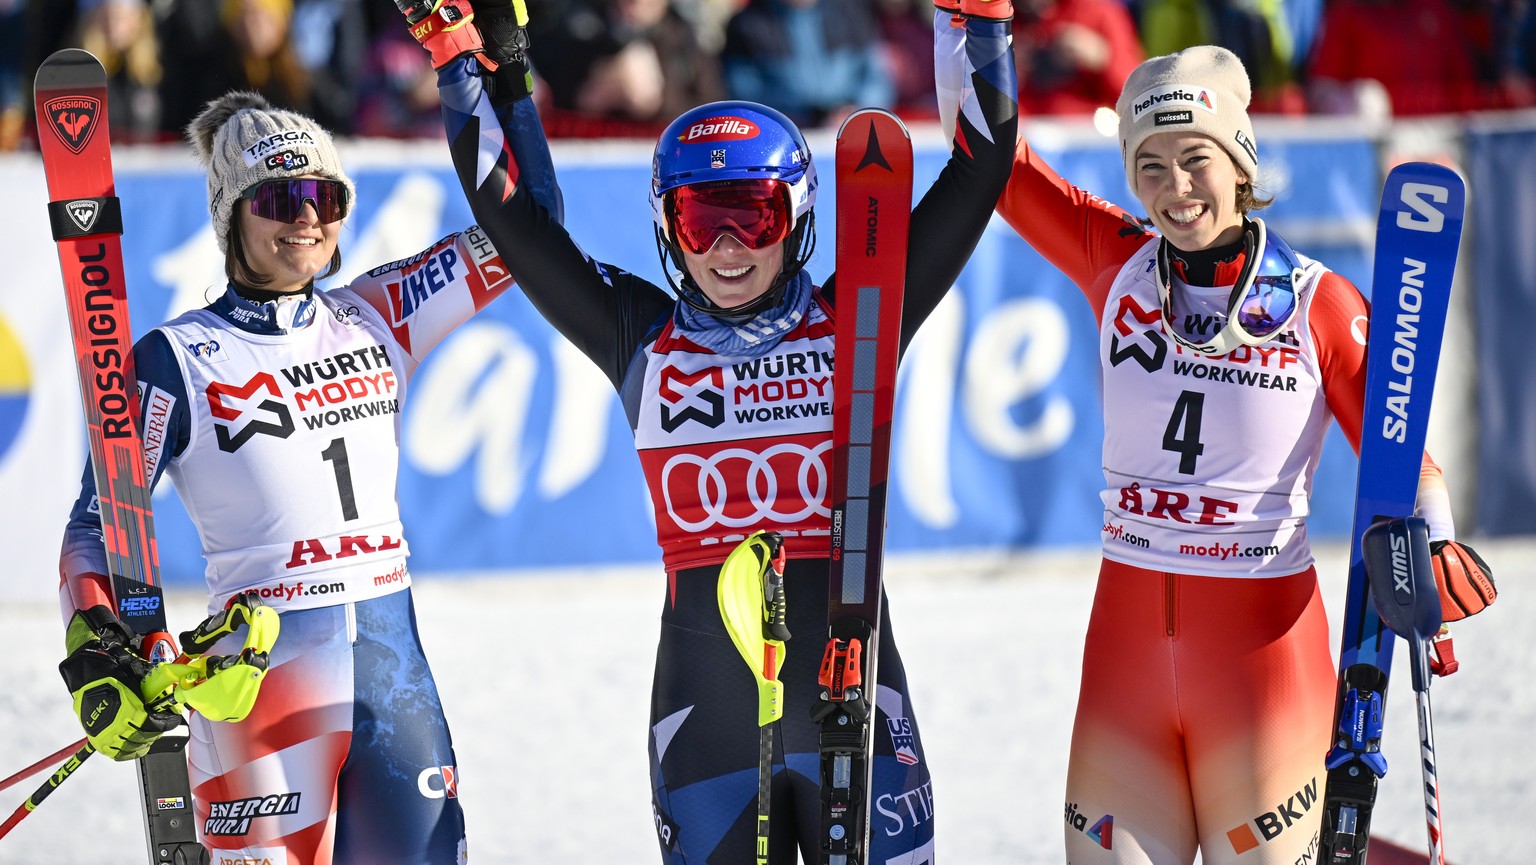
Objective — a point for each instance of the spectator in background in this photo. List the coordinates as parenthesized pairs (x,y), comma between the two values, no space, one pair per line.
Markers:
(14,104)
(1301,19)
(210,47)
(1518,40)
(121,34)
(814,60)
(906,47)
(1254,30)
(1420,52)
(1072,55)
(398,96)
(330,40)
(634,60)
(260,30)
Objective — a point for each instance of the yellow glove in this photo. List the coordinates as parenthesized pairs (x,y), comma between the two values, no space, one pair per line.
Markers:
(106,677)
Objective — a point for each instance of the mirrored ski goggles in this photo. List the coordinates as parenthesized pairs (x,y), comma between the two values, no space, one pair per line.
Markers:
(283,199)
(756,212)
(1270,299)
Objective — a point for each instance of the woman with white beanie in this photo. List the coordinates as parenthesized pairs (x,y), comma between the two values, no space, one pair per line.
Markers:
(1208,688)
(275,409)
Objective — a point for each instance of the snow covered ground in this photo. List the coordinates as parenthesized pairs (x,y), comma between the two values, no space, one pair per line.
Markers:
(546,681)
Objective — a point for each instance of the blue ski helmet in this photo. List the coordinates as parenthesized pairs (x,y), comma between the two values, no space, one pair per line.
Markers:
(734,140)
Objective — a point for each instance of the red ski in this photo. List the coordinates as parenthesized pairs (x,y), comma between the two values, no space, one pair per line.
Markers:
(874,210)
(71,98)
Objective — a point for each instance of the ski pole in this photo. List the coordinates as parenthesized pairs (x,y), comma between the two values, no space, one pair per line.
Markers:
(751,593)
(219,687)
(58,777)
(47,761)
(1402,582)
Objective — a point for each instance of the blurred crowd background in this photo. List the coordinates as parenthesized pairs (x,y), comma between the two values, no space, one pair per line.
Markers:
(623,68)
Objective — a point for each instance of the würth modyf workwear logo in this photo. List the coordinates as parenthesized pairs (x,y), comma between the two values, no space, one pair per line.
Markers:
(710,393)
(73,119)
(239,406)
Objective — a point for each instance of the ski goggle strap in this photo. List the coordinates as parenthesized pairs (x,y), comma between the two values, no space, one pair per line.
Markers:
(1261,303)
(756,212)
(283,199)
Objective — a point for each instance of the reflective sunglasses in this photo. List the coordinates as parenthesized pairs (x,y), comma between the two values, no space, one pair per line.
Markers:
(283,199)
(1261,303)
(1270,300)
(756,212)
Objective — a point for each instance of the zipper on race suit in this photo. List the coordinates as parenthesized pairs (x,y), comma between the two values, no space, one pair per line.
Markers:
(1170,604)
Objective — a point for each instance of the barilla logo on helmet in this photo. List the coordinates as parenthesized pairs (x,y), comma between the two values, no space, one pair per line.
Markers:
(1159,97)
(721,128)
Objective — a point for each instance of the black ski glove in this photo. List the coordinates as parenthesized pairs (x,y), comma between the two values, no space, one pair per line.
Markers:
(105,676)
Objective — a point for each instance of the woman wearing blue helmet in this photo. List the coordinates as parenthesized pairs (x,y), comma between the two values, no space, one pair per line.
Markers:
(726,381)
(742,171)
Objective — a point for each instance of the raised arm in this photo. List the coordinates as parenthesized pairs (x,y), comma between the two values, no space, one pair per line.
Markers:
(977,87)
(503,163)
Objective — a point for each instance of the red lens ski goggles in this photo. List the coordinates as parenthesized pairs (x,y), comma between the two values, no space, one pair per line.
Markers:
(756,212)
(283,199)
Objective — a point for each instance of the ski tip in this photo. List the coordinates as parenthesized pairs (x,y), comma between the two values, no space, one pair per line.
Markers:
(1434,173)
(70,68)
(872,117)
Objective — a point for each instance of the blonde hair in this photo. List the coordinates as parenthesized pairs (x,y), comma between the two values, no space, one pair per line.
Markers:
(140,60)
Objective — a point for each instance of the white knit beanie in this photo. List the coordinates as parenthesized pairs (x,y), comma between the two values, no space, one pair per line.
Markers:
(1201,89)
(243,140)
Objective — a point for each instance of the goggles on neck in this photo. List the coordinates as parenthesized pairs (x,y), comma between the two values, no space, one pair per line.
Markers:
(1262,302)
(283,199)
(755,212)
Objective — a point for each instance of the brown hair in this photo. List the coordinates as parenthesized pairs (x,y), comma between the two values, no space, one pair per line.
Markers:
(1250,199)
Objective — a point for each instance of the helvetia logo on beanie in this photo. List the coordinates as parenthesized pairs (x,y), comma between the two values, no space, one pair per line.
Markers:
(1159,97)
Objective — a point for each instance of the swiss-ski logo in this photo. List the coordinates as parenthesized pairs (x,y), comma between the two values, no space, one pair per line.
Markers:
(73,119)
(872,153)
(83,212)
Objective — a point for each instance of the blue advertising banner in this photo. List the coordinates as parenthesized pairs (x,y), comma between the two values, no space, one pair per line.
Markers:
(517,455)
(1502,167)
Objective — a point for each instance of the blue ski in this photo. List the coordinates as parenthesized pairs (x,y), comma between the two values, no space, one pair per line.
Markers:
(1417,236)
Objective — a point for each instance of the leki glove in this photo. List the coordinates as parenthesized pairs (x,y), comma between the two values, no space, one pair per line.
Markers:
(106,677)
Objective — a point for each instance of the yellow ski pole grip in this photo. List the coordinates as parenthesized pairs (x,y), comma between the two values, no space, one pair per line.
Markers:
(748,615)
(220,687)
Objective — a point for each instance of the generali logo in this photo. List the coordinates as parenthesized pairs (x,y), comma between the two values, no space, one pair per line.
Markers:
(73,119)
(719,129)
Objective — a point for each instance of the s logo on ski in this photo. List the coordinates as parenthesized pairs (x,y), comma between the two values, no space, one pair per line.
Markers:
(73,119)
(1430,219)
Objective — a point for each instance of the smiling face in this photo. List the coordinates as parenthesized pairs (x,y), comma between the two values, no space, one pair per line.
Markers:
(288,253)
(1188,185)
(730,274)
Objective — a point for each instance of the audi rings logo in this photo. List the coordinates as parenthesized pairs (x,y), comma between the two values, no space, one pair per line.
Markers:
(783,484)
